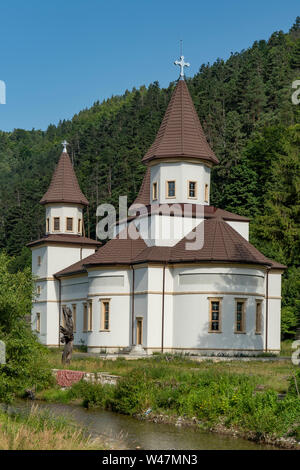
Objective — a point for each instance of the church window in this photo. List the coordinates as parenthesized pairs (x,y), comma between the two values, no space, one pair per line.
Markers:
(74,317)
(192,189)
(38,322)
(258,320)
(206,193)
(79,226)
(85,317)
(105,314)
(88,316)
(56,224)
(69,224)
(171,189)
(39,261)
(240,316)
(154,191)
(48,225)
(215,315)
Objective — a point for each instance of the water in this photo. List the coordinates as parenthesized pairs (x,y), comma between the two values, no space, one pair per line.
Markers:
(124,432)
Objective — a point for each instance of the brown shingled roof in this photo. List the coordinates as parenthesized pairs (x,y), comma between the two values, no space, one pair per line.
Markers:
(222,244)
(65,238)
(64,186)
(180,133)
(209,211)
(143,196)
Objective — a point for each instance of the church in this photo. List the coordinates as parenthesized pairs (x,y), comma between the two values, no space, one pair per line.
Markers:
(179,275)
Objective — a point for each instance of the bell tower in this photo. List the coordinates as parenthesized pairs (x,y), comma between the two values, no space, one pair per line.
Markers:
(63,244)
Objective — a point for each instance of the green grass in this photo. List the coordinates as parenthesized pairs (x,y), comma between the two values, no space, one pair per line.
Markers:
(42,431)
(272,374)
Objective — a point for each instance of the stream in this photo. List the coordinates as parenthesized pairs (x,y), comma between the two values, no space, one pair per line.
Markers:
(125,432)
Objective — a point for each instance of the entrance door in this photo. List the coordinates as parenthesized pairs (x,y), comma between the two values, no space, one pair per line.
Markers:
(139,331)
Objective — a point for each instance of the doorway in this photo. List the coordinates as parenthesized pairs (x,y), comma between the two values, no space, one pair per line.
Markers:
(139,331)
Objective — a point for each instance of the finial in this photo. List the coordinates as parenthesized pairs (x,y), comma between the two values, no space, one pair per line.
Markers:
(64,144)
(182,64)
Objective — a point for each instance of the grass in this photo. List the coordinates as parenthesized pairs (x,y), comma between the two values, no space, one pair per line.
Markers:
(240,395)
(272,374)
(42,431)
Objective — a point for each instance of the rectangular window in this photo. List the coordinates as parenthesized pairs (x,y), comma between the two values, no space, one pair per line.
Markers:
(171,189)
(74,317)
(154,191)
(85,317)
(56,224)
(69,224)
(215,315)
(48,225)
(206,193)
(39,261)
(105,313)
(38,290)
(192,189)
(38,322)
(79,226)
(90,316)
(258,320)
(240,316)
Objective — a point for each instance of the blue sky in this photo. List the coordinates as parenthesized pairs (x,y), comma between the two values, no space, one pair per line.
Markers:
(58,57)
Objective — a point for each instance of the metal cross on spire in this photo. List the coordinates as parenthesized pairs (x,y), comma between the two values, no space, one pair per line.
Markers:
(64,144)
(182,64)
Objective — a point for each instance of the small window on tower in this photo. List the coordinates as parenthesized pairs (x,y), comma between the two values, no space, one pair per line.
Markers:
(69,224)
(56,224)
(39,261)
(171,189)
(192,189)
(38,290)
(154,191)
(79,226)
(48,225)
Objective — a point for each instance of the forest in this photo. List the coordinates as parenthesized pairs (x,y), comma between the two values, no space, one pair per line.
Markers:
(246,110)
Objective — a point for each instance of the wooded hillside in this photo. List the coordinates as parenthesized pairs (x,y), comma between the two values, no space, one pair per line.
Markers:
(245,107)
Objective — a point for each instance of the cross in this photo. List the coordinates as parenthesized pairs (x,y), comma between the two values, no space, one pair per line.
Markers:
(64,143)
(182,64)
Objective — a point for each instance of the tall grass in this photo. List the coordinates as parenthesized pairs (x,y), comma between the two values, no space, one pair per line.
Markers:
(41,431)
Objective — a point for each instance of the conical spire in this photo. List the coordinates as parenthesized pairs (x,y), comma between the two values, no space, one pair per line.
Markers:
(64,186)
(181,134)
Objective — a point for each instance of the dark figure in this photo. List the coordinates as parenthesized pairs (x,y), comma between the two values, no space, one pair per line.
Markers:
(67,336)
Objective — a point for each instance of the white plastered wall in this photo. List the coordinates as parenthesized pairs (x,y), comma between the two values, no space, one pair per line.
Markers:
(180,172)
(63,211)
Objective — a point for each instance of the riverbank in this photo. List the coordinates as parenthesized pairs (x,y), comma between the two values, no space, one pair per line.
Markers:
(38,430)
(252,400)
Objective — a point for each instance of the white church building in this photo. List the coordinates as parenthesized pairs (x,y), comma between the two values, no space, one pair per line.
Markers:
(156,291)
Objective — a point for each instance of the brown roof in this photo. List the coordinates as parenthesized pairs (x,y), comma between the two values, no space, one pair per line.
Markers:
(143,196)
(221,244)
(65,238)
(179,210)
(180,133)
(64,186)
(116,251)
